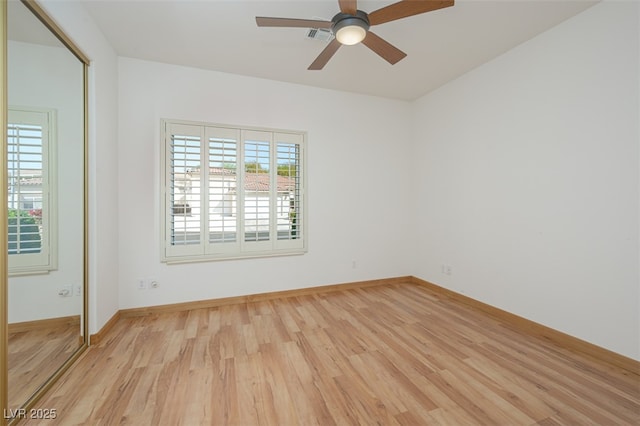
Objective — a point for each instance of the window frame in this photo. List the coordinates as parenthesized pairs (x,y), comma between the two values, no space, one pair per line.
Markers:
(239,248)
(47,260)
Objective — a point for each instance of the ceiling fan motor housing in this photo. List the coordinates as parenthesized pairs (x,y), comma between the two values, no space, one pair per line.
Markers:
(343,20)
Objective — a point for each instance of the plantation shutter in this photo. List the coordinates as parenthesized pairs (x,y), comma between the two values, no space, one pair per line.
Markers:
(230,192)
(289,191)
(257,184)
(184,185)
(222,176)
(29,185)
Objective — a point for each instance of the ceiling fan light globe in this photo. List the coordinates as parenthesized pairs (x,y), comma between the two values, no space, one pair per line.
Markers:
(351,34)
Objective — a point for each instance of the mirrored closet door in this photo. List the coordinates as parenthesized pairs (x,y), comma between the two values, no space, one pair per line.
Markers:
(45,150)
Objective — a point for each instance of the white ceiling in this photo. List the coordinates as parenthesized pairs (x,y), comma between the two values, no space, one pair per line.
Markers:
(222,35)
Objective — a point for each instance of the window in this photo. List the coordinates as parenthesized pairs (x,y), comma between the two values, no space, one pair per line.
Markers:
(231,192)
(31,177)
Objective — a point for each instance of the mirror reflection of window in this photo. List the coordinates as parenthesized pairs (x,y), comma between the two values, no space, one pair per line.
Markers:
(31,178)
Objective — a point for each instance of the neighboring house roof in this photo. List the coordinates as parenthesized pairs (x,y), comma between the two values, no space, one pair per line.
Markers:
(257,182)
(221,171)
(260,182)
(31,181)
(26,177)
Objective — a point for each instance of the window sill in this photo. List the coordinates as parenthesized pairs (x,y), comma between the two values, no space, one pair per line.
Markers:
(21,272)
(179,260)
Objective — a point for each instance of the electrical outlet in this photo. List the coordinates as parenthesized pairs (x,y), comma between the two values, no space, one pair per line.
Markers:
(66,291)
(78,290)
(142,284)
(446,269)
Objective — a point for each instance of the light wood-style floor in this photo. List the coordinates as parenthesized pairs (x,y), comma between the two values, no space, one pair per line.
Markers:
(34,355)
(390,354)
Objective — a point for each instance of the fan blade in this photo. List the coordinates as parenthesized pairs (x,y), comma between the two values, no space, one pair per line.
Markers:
(383,48)
(348,6)
(291,23)
(406,8)
(325,55)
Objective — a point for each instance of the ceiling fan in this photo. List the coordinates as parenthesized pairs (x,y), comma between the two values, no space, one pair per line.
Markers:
(351,26)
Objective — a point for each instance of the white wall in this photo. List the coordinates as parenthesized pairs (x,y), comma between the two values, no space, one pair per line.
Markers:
(103,161)
(529,181)
(31,84)
(524,178)
(356,159)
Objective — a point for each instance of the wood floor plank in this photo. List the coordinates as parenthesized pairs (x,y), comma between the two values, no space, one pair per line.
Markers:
(524,398)
(392,354)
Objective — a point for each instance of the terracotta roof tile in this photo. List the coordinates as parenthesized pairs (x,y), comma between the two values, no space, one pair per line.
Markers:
(257,181)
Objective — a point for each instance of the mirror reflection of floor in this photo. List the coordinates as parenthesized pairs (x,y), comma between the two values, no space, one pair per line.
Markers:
(36,350)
